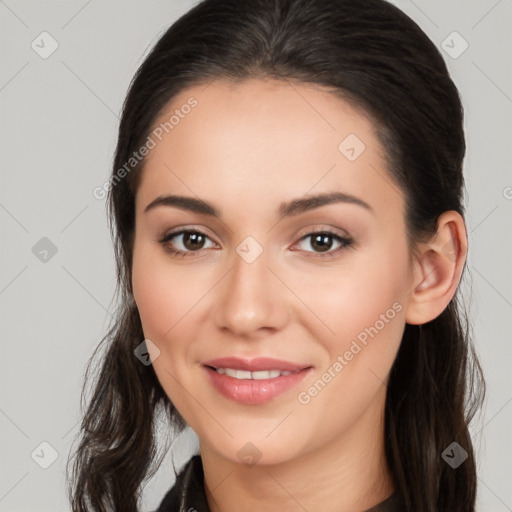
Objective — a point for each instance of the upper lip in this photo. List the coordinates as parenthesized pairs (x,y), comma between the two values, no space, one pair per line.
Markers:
(256,364)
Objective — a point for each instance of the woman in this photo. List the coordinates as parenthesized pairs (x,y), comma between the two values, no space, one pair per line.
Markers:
(286,207)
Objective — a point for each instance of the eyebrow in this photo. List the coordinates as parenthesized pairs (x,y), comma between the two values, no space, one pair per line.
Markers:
(287,209)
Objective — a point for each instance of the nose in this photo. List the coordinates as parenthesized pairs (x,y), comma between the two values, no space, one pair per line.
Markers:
(251,300)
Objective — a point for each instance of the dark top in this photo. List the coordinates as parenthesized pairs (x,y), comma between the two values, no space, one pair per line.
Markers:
(188,493)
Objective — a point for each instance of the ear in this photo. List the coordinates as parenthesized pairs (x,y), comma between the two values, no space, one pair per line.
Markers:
(437,269)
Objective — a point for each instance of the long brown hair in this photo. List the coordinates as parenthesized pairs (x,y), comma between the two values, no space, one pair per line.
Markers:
(373,55)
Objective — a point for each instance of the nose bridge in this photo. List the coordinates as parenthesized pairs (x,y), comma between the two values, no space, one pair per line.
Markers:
(250,298)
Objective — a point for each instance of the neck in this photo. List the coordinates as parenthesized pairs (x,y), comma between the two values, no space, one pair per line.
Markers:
(348,474)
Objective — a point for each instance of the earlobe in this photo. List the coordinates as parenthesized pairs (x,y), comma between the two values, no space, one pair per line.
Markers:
(437,270)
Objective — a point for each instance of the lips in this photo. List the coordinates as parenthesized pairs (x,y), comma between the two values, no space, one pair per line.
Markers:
(254,381)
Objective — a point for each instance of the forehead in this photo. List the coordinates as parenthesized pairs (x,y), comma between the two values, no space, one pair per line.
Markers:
(271,140)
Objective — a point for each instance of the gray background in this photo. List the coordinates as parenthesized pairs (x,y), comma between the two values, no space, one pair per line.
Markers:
(59,119)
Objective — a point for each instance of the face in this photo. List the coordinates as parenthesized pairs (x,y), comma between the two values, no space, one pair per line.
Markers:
(279,317)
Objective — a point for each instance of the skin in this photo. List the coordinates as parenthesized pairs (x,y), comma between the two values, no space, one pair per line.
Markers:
(246,148)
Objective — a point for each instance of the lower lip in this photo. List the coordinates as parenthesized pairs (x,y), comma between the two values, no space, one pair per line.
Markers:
(251,391)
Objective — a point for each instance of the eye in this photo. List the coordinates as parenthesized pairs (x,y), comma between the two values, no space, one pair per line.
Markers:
(323,241)
(186,242)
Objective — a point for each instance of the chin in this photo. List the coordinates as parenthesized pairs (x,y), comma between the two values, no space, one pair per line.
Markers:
(255,450)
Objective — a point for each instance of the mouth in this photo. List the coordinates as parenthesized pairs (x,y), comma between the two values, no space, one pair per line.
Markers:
(254,381)
(259,375)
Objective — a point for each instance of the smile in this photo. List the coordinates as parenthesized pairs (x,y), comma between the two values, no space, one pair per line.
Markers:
(244,374)
(254,381)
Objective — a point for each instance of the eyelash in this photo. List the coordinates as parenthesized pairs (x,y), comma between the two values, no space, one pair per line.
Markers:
(345,242)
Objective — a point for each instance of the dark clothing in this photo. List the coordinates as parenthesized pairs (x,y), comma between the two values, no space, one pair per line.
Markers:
(188,493)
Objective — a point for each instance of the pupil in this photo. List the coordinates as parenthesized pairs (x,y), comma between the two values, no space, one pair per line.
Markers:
(193,241)
(322,242)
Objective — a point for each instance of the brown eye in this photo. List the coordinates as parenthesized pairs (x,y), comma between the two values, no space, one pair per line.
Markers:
(193,240)
(321,243)
(186,242)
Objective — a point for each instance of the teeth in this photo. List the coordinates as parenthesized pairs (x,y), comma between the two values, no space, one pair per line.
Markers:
(265,374)
(244,374)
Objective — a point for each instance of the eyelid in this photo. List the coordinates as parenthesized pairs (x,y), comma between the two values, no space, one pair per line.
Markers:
(321,228)
(186,229)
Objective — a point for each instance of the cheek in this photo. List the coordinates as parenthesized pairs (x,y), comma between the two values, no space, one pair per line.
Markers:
(165,297)
(172,301)
(362,299)
(164,292)
(363,304)
(161,293)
